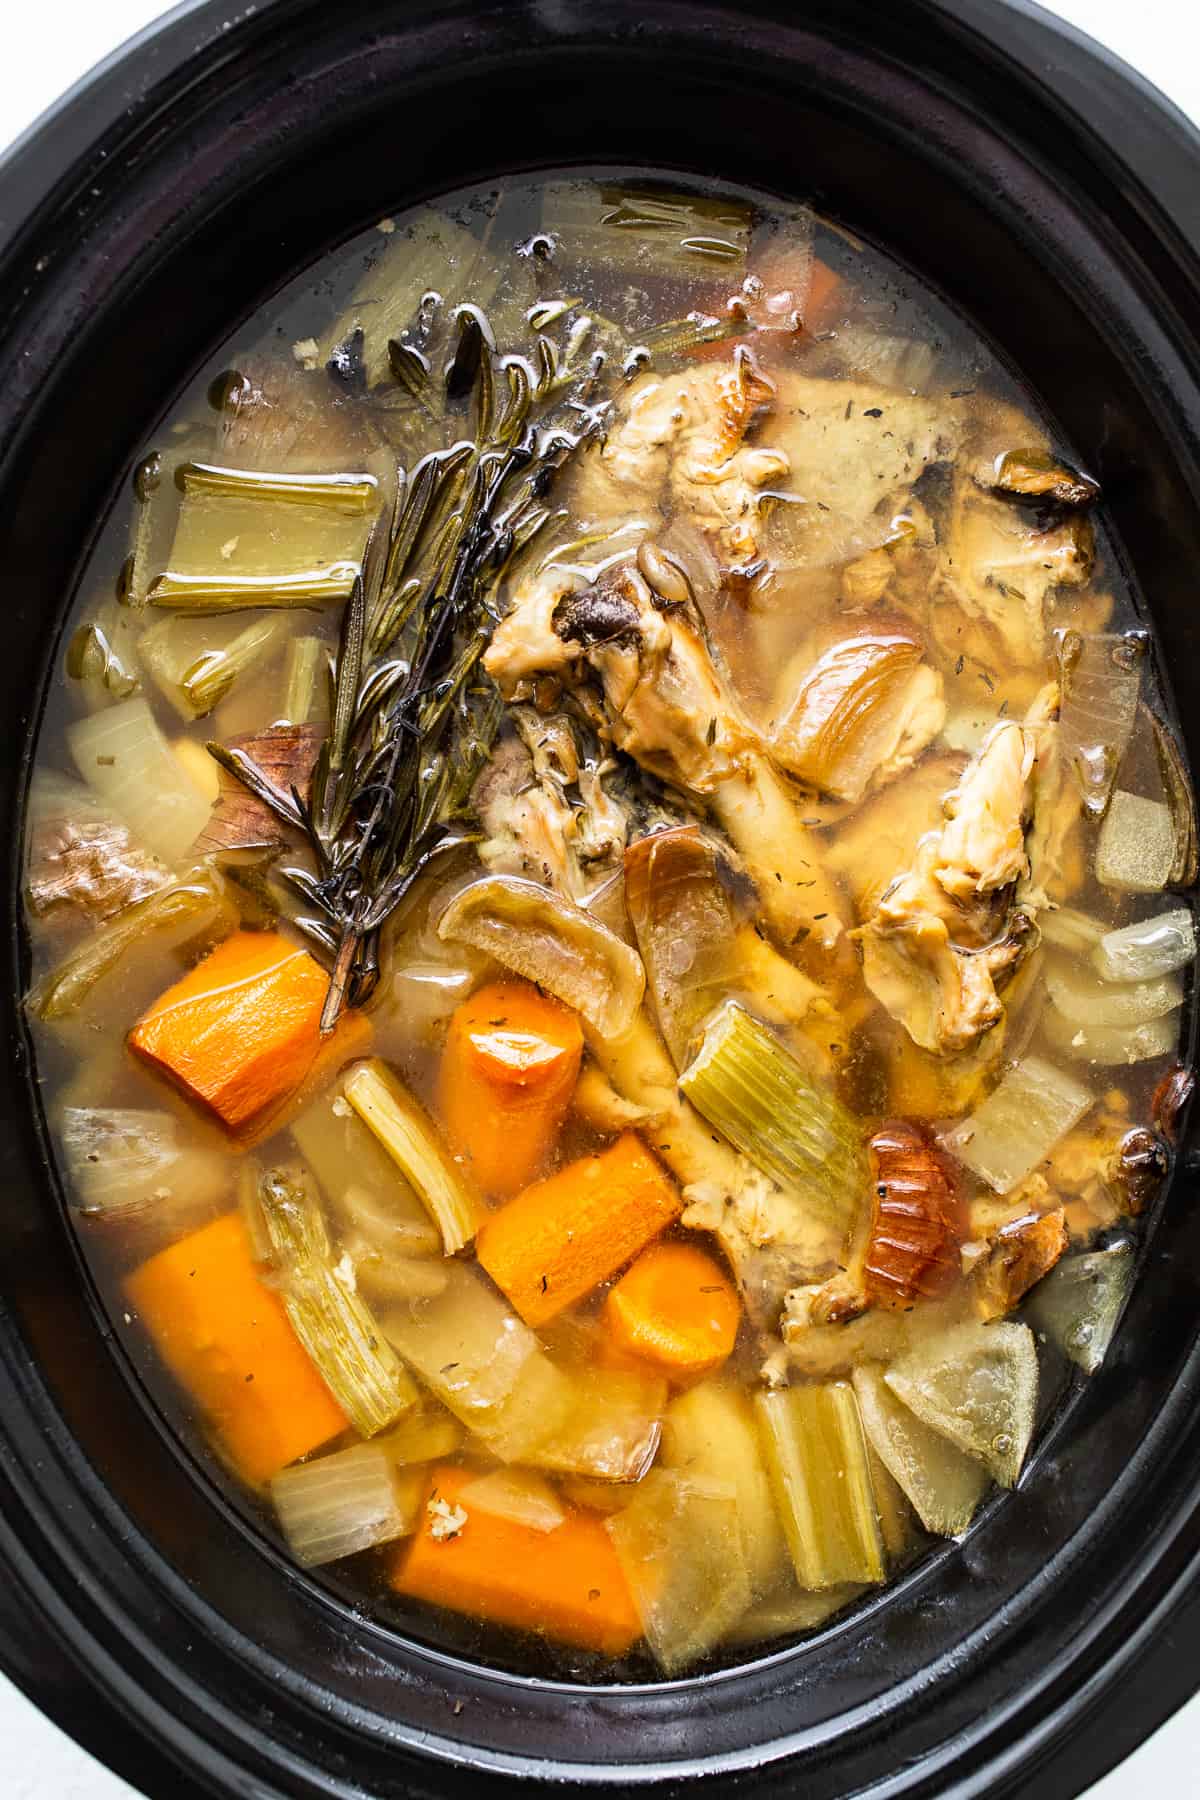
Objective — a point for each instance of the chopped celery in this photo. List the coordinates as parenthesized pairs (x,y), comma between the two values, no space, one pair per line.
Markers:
(553,942)
(1084,999)
(795,1130)
(897,1521)
(366,1190)
(816,1455)
(123,1160)
(680,1546)
(612,1430)
(425,1434)
(516,1494)
(709,1434)
(1109,1045)
(306,681)
(410,1138)
(1100,679)
(791,1610)
(976,1385)
(1018,1124)
(334,1324)
(1081,1300)
(944,1484)
(124,757)
(249,539)
(650,231)
(196,661)
(350,1501)
(1147,949)
(1136,851)
(483,1363)
(172,916)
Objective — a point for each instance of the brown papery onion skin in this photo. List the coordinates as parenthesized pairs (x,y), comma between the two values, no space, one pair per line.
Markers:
(916,1227)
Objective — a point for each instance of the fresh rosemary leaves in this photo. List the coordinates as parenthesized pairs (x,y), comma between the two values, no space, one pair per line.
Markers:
(413,715)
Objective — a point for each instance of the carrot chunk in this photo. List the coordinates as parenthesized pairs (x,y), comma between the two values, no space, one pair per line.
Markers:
(566,1583)
(676,1308)
(553,1243)
(507,1075)
(240,1034)
(225,1338)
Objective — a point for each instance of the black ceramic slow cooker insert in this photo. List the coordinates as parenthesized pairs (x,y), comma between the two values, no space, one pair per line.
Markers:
(1053,197)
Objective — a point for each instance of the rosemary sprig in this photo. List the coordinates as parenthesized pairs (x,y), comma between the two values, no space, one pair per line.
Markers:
(413,715)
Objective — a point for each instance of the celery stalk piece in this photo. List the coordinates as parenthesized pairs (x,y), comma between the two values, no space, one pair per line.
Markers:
(944,1484)
(349,1501)
(1110,1045)
(245,538)
(1136,850)
(791,1610)
(1079,1304)
(680,1546)
(794,1129)
(172,916)
(976,1385)
(126,760)
(410,1138)
(306,681)
(816,1456)
(1082,998)
(612,1430)
(332,1321)
(483,1364)
(1147,949)
(1019,1123)
(709,1434)
(195,662)
(898,1525)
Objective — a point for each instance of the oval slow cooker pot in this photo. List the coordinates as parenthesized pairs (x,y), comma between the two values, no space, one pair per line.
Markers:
(1057,199)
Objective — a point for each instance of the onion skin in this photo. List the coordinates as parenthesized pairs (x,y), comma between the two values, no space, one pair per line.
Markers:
(916,1228)
(1170,1099)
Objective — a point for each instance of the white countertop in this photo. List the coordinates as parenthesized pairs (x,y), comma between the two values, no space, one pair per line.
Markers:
(50,44)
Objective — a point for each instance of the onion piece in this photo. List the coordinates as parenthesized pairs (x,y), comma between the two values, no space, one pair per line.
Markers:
(680,1546)
(1083,999)
(515,1494)
(1080,1302)
(124,757)
(1177,784)
(1147,949)
(548,940)
(1018,1124)
(683,920)
(944,1484)
(1067,929)
(976,1385)
(1100,674)
(1138,847)
(350,1501)
(850,713)
(1110,1045)
(408,1134)
(123,1160)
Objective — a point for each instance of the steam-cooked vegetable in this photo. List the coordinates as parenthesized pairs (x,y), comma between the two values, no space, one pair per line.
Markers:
(370,1197)
(611,1429)
(1082,999)
(516,1494)
(816,1456)
(680,1547)
(426,1433)
(1136,851)
(647,232)
(1147,949)
(240,1034)
(83,862)
(709,1436)
(124,1160)
(751,1088)
(944,1484)
(306,681)
(1019,1123)
(1112,1044)
(1100,676)
(196,661)
(684,923)
(224,1335)
(350,1501)
(976,1385)
(182,913)
(791,1609)
(675,1309)
(566,1583)
(124,757)
(548,940)
(1080,1303)
(853,711)
(408,1135)
(332,1321)
(1067,929)
(556,1241)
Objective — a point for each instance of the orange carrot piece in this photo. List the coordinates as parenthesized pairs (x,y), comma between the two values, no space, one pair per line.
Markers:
(225,1338)
(554,1243)
(507,1075)
(823,291)
(240,1035)
(674,1307)
(566,1583)
(826,293)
